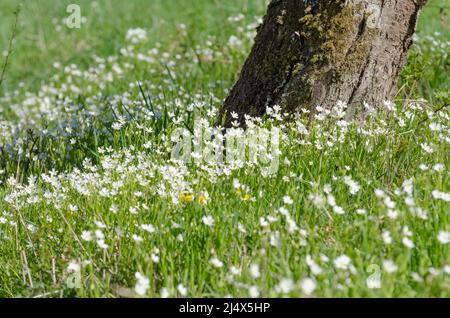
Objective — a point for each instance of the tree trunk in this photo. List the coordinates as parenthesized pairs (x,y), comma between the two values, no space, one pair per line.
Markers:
(310,53)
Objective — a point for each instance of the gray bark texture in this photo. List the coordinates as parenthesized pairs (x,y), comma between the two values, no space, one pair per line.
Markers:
(310,53)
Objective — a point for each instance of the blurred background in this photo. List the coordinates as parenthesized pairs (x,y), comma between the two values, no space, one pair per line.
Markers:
(43,38)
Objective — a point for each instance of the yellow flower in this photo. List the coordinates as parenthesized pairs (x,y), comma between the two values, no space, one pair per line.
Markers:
(246,197)
(186,198)
(202,199)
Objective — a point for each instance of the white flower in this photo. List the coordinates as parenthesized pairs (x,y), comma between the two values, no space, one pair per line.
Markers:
(361,211)
(285,286)
(338,210)
(275,239)
(182,290)
(216,262)
(148,227)
(235,271)
(254,271)
(389,266)
(86,236)
(234,42)
(142,284)
(315,269)
(427,148)
(308,285)
(73,267)
(208,220)
(407,242)
(136,36)
(287,200)
(444,237)
(100,225)
(441,195)
(435,127)
(387,238)
(379,193)
(408,186)
(342,262)
(101,243)
(263,222)
(165,293)
(447,269)
(154,257)
(137,238)
(353,185)
(406,231)
(253,291)
(373,282)
(331,200)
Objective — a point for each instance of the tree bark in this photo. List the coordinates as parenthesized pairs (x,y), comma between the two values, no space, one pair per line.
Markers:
(310,53)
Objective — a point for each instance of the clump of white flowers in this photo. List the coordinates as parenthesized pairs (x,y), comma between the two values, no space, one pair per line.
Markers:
(136,36)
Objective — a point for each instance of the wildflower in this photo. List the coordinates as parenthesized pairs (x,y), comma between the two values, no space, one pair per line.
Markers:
(389,266)
(254,271)
(208,220)
(387,237)
(407,242)
(427,148)
(435,127)
(136,36)
(353,185)
(203,198)
(287,200)
(102,244)
(253,291)
(444,237)
(338,210)
(235,271)
(142,284)
(447,269)
(373,282)
(137,238)
(164,293)
(182,290)
(234,42)
(186,198)
(315,269)
(73,267)
(275,239)
(285,286)
(308,285)
(441,195)
(216,262)
(379,193)
(86,236)
(100,225)
(263,222)
(148,227)
(361,211)
(342,262)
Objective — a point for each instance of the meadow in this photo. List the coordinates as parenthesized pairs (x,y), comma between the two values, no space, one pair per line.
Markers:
(92,204)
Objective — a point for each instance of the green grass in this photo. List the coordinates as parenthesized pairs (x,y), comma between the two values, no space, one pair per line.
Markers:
(83,149)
